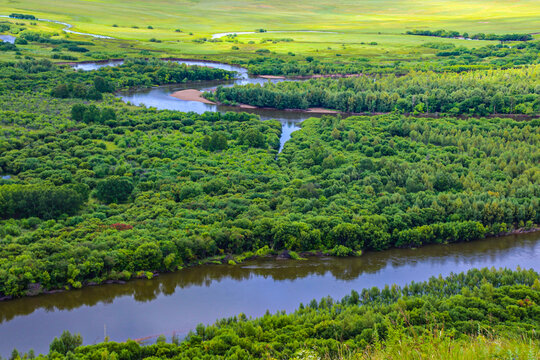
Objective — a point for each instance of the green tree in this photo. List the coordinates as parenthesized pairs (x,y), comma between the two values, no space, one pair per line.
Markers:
(66,343)
(77,112)
(114,189)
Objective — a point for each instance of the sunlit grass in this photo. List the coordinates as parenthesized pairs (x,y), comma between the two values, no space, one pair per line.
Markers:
(356,23)
(439,346)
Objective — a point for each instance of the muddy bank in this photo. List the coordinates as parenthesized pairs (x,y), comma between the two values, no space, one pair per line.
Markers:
(191,95)
(321,111)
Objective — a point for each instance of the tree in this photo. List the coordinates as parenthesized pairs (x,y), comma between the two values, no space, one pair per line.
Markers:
(348,235)
(102,85)
(218,141)
(77,112)
(336,134)
(115,189)
(61,91)
(92,115)
(253,138)
(351,136)
(66,343)
(108,114)
(147,257)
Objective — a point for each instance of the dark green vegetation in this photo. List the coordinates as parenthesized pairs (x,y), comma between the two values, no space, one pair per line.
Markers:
(475,304)
(134,72)
(158,190)
(479,36)
(22,16)
(449,59)
(480,93)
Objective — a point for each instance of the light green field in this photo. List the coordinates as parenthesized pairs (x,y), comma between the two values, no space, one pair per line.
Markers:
(204,17)
(356,22)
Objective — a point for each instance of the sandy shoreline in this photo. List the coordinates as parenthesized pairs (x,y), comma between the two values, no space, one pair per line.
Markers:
(321,111)
(271,76)
(191,95)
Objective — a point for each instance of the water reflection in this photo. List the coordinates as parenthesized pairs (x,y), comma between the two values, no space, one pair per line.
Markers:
(179,301)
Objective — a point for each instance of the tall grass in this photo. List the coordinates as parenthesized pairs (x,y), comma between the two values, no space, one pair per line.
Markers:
(440,347)
(437,345)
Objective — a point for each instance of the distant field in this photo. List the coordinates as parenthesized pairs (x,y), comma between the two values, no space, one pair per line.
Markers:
(204,17)
(357,24)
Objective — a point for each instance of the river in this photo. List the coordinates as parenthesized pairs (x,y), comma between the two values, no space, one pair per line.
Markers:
(159,97)
(177,302)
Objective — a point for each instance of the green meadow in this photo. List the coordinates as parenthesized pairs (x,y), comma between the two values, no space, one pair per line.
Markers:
(176,28)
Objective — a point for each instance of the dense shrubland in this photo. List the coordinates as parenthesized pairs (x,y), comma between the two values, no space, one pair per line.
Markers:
(157,190)
(476,92)
(442,313)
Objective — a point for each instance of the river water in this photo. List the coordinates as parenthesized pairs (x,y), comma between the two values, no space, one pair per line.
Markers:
(8,38)
(177,302)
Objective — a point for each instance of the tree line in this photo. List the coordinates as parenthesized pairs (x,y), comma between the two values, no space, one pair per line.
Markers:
(475,92)
(478,36)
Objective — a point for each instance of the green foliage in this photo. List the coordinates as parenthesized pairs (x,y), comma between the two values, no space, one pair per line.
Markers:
(22,16)
(92,114)
(178,188)
(66,343)
(114,189)
(341,251)
(479,36)
(479,304)
(479,92)
(44,201)
(216,142)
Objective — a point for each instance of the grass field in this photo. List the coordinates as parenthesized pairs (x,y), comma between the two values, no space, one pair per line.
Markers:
(356,23)
(204,17)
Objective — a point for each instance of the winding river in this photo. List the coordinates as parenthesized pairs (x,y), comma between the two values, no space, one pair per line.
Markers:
(159,97)
(177,302)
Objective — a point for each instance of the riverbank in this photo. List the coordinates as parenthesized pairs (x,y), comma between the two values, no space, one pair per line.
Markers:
(231,259)
(191,95)
(518,117)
